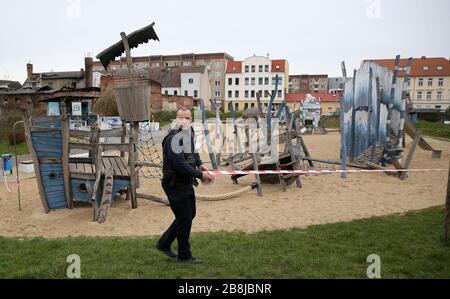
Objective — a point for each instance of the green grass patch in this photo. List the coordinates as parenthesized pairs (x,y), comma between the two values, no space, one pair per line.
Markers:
(330,122)
(409,247)
(434,129)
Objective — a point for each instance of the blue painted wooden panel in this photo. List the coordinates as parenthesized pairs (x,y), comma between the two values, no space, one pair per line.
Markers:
(364,117)
(80,196)
(53,183)
(47,144)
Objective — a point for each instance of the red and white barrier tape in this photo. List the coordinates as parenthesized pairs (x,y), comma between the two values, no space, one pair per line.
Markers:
(322,171)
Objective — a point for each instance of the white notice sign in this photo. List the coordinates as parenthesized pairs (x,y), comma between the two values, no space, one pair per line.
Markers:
(76,108)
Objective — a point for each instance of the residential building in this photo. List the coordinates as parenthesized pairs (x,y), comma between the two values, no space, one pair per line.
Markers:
(256,74)
(329,102)
(215,64)
(308,83)
(336,84)
(7,84)
(57,80)
(429,86)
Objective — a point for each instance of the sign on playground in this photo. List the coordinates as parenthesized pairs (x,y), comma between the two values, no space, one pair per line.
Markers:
(76,108)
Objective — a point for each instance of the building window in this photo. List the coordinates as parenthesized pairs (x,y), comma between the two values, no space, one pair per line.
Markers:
(430,81)
(266,68)
(166,92)
(195,93)
(252,105)
(186,93)
(236,106)
(246,68)
(246,106)
(191,81)
(247,81)
(260,68)
(217,83)
(425,68)
(217,93)
(230,94)
(175,92)
(236,81)
(230,81)
(439,68)
(266,93)
(441,82)
(252,94)
(236,94)
(253,68)
(429,95)
(260,81)
(218,74)
(419,95)
(409,81)
(279,93)
(279,81)
(253,81)
(187,63)
(420,81)
(246,93)
(266,81)
(439,95)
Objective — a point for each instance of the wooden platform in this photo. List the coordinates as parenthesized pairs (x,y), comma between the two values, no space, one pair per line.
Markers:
(82,170)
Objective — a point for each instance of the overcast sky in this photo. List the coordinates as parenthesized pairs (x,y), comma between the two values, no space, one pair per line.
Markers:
(315,36)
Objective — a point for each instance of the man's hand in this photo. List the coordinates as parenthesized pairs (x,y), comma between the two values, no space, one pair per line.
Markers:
(207,177)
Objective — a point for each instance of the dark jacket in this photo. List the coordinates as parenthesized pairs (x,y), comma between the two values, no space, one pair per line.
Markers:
(180,164)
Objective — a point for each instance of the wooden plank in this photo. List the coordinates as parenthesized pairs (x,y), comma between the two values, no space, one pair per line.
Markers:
(117,165)
(65,155)
(106,195)
(80,146)
(49,160)
(44,129)
(132,163)
(36,163)
(79,133)
(115,147)
(125,166)
(412,149)
(111,133)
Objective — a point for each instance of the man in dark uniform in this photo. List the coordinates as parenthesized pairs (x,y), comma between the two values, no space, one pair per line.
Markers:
(181,167)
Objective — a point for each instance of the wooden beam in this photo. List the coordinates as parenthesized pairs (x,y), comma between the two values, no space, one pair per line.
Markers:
(65,155)
(132,163)
(411,151)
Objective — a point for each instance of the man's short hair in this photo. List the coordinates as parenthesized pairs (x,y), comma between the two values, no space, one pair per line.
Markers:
(184,108)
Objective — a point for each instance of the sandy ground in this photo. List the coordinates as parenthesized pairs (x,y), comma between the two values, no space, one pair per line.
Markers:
(323,199)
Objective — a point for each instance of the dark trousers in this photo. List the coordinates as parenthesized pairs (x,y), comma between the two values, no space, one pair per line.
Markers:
(182,203)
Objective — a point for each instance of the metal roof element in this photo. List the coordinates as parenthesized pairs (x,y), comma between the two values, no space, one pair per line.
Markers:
(136,38)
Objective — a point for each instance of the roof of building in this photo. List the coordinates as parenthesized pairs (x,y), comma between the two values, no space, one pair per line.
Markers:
(421,67)
(55,76)
(322,96)
(10,84)
(234,67)
(278,66)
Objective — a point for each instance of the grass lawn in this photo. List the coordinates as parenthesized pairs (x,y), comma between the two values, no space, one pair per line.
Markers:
(434,129)
(409,247)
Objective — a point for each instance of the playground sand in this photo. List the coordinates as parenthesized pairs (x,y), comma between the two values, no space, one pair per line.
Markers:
(323,199)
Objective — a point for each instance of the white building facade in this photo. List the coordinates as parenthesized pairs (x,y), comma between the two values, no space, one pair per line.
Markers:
(256,74)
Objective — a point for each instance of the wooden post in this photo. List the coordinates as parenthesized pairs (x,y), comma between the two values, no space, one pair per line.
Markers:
(411,151)
(447,211)
(132,165)
(36,162)
(254,161)
(122,138)
(65,154)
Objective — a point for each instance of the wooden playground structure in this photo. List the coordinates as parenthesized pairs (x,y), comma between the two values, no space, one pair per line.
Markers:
(374,119)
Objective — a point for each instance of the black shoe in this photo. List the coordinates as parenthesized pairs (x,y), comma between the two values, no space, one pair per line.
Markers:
(192,261)
(166,251)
